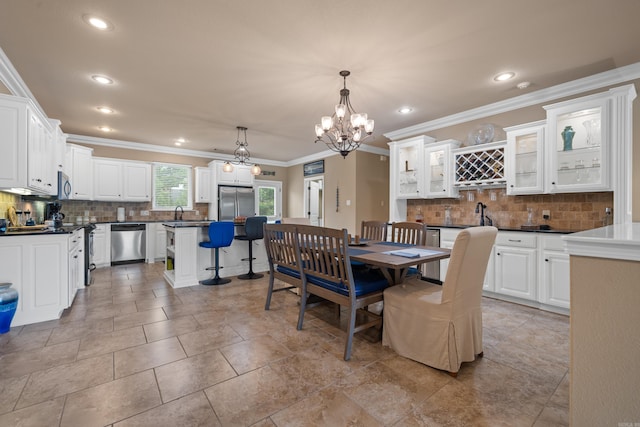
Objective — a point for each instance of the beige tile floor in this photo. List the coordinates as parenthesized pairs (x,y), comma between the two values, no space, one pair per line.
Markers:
(132,351)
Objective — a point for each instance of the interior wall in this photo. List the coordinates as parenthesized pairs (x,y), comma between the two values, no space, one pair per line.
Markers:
(295,193)
(340,175)
(372,186)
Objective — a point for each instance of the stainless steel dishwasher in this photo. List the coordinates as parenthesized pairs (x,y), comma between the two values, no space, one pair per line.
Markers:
(128,243)
(431,270)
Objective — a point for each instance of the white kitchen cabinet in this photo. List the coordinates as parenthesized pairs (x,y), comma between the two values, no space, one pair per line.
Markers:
(137,181)
(480,165)
(438,164)
(203,185)
(579,146)
(554,279)
(59,140)
(160,241)
(524,167)
(240,175)
(76,264)
(27,151)
(407,167)
(101,255)
(516,264)
(38,268)
(81,161)
(118,180)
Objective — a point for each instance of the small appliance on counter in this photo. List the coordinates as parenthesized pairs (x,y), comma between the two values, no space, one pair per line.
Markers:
(120,215)
(52,213)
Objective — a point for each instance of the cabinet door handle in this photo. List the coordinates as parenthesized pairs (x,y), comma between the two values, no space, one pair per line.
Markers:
(511,186)
(515,240)
(498,253)
(553,182)
(76,256)
(546,260)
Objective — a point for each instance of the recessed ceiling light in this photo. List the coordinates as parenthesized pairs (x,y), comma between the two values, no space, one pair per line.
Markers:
(523,85)
(504,76)
(405,110)
(105,110)
(102,79)
(180,141)
(105,128)
(97,22)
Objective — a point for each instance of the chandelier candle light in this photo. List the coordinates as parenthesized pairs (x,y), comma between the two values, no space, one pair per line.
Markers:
(241,154)
(345,129)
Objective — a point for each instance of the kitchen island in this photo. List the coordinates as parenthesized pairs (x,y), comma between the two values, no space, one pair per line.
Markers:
(605,341)
(186,262)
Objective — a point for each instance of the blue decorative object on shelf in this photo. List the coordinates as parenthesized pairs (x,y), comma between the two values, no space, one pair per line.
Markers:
(8,306)
(567,137)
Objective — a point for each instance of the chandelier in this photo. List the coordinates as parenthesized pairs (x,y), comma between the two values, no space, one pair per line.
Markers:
(345,129)
(241,154)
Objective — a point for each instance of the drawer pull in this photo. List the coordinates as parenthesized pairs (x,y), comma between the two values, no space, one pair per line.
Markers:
(515,240)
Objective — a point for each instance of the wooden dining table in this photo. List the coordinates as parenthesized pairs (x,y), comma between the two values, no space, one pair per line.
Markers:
(394,257)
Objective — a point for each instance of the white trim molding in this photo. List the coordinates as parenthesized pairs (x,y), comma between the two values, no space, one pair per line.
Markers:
(575,87)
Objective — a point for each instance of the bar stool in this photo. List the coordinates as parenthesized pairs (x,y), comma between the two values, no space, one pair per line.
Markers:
(253,228)
(220,236)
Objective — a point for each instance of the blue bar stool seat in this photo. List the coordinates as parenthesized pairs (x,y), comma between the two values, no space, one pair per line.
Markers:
(253,231)
(220,236)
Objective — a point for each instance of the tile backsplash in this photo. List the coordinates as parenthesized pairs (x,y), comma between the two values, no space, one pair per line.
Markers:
(571,212)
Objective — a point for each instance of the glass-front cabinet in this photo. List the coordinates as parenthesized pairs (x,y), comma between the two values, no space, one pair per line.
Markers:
(407,158)
(439,171)
(579,145)
(524,166)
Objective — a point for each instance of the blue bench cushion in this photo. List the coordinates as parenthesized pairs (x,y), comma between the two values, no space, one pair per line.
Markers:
(366,282)
(288,271)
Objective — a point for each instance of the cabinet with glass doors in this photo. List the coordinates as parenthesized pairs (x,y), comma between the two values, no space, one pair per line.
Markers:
(524,166)
(439,172)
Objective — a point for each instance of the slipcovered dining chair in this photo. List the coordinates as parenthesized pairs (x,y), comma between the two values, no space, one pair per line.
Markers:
(220,236)
(441,326)
(373,230)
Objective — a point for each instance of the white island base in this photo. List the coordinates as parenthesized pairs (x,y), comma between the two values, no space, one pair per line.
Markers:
(186,262)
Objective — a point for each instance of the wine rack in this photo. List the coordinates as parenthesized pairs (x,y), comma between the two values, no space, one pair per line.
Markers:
(480,165)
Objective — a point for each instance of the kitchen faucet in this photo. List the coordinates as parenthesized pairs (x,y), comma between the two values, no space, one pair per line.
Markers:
(175,213)
(480,207)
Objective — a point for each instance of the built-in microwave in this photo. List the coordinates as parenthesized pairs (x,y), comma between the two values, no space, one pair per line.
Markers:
(64,186)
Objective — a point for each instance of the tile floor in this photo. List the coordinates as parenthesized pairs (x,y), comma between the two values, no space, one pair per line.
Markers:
(132,351)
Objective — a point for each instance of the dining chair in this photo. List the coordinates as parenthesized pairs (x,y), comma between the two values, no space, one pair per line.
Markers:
(373,230)
(326,272)
(412,233)
(279,242)
(441,326)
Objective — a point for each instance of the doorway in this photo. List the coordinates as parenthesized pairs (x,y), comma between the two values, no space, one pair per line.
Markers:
(314,200)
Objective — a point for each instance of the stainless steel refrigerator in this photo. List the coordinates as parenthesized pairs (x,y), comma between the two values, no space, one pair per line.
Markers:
(235,201)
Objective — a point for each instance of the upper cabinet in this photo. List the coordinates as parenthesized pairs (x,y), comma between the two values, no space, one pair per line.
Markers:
(81,161)
(482,164)
(118,180)
(27,161)
(240,175)
(438,169)
(407,167)
(203,185)
(579,145)
(524,153)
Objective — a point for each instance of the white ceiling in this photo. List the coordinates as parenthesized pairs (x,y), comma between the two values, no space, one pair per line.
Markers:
(199,68)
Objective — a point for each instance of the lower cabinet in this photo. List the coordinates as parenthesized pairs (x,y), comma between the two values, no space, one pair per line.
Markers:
(554,272)
(527,267)
(76,264)
(38,268)
(101,255)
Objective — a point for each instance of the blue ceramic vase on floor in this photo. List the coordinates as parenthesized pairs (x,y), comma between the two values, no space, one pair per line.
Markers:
(8,306)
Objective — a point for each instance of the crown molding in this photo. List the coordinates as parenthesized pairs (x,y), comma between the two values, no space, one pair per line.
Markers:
(130,145)
(12,80)
(575,87)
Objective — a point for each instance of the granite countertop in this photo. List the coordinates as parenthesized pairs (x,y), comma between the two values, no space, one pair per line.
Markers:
(435,226)
(182,224)
(618,241)
(42,231)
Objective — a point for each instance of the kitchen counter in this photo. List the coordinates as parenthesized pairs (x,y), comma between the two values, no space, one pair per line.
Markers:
(42,232)
(181,224)
(434,227)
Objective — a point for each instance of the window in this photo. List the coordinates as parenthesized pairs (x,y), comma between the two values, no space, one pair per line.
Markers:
(171,186)
(268,199)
